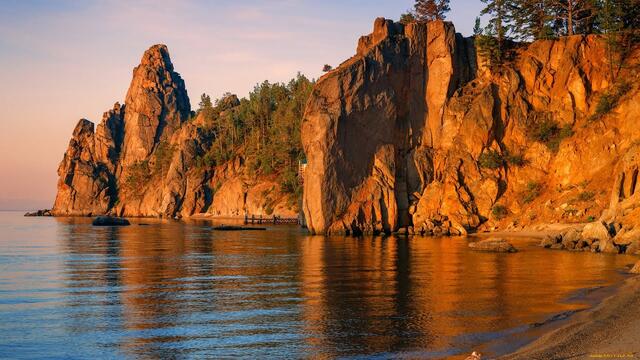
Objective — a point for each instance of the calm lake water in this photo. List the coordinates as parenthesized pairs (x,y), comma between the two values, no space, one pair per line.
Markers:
(180,290)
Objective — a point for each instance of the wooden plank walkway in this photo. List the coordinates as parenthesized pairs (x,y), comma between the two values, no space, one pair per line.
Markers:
(275,220)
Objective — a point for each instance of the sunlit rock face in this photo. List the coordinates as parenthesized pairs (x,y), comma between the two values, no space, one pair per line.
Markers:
(141,158)
(157,105)
(415,132)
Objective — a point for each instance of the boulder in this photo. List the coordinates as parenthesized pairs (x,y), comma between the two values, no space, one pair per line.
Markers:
(607,246)
(597,230)
(493,245)
(635,269)
(550,240)
(627,237)
(110,221)
(569,242)
(633,248)
(572,235)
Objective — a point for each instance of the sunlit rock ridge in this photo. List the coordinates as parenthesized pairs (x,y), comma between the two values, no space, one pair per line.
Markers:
(141,158)
(416,133)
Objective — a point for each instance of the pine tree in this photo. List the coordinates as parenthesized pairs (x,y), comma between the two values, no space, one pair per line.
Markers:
(407,17)
(532,19)
(572,12)
(205,102)
(477,28)
(489,48)
(500,18)
(429,10)
(492,43)
(619,21)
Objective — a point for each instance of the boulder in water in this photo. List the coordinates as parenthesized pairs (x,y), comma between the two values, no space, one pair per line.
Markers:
(110,221)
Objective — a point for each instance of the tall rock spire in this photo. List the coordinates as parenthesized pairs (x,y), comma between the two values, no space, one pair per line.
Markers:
(95,163)
(157,104)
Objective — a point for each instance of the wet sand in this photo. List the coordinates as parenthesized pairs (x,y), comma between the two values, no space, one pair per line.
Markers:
(611,330)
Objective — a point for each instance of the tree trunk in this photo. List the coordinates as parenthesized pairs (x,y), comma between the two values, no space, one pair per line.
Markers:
(570,6)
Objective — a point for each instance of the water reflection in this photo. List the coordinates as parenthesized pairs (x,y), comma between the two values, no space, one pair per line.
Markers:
(175,290)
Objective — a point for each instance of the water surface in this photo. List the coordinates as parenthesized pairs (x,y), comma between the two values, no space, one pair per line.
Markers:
(180,290)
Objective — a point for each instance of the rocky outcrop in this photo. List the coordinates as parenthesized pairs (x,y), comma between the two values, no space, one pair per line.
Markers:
(86,185)
(473,149)
(365,121)
(157,105)
(141,158)
(43,212)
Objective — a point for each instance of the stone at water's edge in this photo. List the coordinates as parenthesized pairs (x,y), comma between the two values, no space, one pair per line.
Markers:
(636,268)
(110,221)
(493,245)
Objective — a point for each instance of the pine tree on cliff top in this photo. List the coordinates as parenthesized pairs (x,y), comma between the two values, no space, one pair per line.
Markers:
(532,19)
(500,17)
(492,43)
(429,10)
(573,14)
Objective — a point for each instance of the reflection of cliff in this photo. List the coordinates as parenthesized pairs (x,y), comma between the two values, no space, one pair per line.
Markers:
(373,295)
(162,286)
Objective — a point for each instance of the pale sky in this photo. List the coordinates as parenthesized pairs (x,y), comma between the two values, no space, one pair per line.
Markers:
(65,60)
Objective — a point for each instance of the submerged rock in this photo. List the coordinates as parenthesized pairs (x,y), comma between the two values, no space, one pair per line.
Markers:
(493,245)
(110,221)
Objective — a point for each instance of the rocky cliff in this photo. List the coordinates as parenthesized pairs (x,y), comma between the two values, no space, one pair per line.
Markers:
(415,133)
(141,159)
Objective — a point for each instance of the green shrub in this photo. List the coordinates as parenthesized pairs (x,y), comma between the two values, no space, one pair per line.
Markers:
(491,159)
(532,192)
(591,218)
(163,156)
(499,211)
(138,174)
(289,182)
(586,196)
(515,159)
(609,99)
(542,128)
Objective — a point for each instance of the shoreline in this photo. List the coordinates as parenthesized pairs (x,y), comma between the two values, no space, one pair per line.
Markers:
(608,329)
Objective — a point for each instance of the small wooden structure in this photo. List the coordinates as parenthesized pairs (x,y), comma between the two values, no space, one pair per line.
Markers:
(275,220)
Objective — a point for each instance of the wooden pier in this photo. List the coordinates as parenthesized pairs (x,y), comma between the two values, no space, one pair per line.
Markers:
(275,220)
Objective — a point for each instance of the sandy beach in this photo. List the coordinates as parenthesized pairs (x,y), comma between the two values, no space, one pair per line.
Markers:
(611,330)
